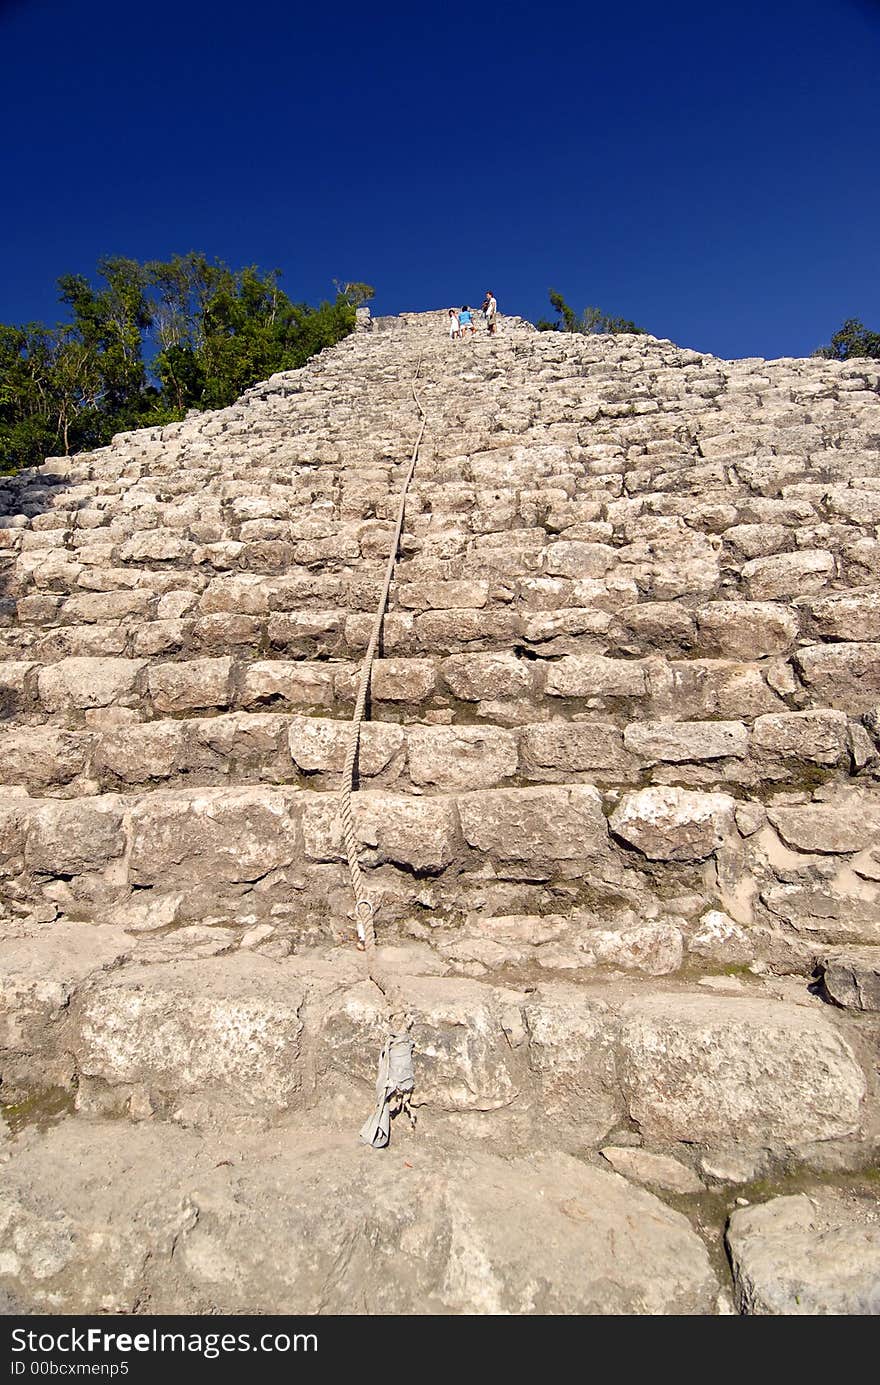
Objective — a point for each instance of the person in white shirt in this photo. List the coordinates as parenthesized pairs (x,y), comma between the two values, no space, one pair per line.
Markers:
(490,308)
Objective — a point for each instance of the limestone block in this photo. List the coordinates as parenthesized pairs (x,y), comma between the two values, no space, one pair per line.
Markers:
(851,977)
(847,911)
(42,756)
(535,825)
(659,1170)
(106,606)
(457,757)
(439,631)
(843,675)
(403,680)
(155,546)
(788,574)
(87,682)
(660,623)
(201,837)
(464,1055)
(571,1056)
(222,630)
(416,833)
(592,675)
(571,558)
(294,684)
(721,688)
(583,1240)
(703,1068)
(190,685)
(245,593)
(681,741)
(718,938)
(810,1254)
(320,744)
(42,972)
(474,677)
(757,540)
(70,836)
(849,824)
(747,629)
(574,746)
(136,754)
(229,1025)
(442,596)
(671,824)
(848,616)
(309,632)
(654,947)
(819,737)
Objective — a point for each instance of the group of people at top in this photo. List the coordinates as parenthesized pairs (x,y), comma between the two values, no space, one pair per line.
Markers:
(461,321)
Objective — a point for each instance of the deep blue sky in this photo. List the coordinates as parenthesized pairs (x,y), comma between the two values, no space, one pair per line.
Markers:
(708,169)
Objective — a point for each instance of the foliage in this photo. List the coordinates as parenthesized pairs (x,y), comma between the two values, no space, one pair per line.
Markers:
(851,341)
(147,343)
(589,321)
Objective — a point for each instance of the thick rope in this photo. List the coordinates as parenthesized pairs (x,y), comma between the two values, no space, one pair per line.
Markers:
(395,1061)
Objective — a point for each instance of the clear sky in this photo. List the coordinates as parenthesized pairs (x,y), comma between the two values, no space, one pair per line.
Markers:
(707,169)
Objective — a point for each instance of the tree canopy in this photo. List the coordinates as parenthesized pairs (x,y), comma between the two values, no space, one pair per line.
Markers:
(852,340)
(147,342)
(589,321)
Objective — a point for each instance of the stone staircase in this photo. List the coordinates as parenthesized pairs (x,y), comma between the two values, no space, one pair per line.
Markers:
(618,794)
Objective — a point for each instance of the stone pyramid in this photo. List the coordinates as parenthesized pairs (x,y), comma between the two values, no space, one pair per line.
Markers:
(618,795)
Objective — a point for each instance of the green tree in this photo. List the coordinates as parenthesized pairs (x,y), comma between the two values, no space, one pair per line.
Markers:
(853,340)
(591,320)
(146,343)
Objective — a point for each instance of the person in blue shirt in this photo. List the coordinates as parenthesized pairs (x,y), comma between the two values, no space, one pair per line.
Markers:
(465,320)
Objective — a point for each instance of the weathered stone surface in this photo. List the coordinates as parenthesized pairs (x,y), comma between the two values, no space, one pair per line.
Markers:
(574,746)
(87,682)
(677,741)
(459,1029)
(187,686)
(232,835)
(206,1225)
(846,825)
(294,684)
(447,757)
(851,977)
(42,972)
(747,629)
(788,574)
(595,676)
(136,754)
(317,743)
(812,1254)
(416,833)
(473,677)
(703,1068)
(42,756)
(67,838)
(668,824)
(537,825)
(820,736)
(653,947)
(658,1170)
(849,616)
(842,675)
(228,1025)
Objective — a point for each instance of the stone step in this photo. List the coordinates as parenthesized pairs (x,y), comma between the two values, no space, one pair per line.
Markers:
(485,744)
(304,1220)
(84,1008)
(641,878)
